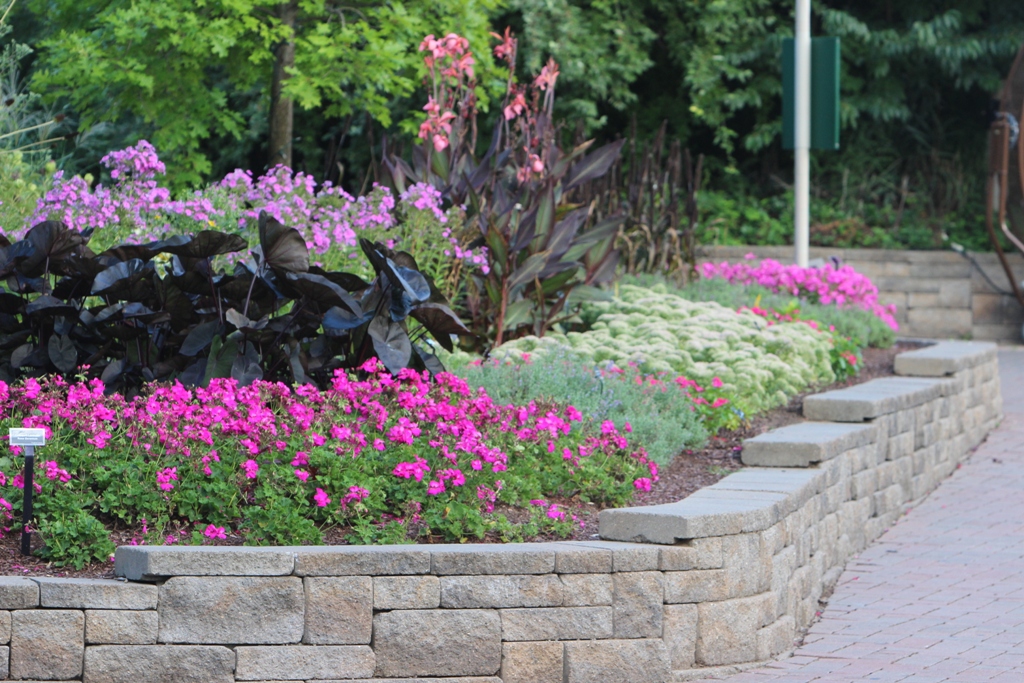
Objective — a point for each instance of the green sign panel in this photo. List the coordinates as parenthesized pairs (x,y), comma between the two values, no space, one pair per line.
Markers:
(824,93)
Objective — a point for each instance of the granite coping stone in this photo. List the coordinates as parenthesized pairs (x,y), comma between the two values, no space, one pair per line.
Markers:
(708,512)
(873,399)
(945,358)
(800,485)
(806,443)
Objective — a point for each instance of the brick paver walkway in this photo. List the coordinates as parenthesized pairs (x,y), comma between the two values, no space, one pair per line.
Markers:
(940,596)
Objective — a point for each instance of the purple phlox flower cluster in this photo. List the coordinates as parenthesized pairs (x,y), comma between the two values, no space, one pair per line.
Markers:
(135,196)
(842,286)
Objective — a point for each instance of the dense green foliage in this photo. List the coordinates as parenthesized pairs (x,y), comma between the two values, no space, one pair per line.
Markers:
(917,78)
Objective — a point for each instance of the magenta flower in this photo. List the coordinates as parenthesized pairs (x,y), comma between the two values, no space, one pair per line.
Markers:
(321,498)
(251,468)
(302,475)
(435,487)
(642,484)
(214,531)
(165,477)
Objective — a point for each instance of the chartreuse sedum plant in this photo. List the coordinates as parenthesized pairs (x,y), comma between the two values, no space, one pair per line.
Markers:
(759,366)
(544,254)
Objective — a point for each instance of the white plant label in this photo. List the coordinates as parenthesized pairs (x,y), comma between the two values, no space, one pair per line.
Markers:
(22,436)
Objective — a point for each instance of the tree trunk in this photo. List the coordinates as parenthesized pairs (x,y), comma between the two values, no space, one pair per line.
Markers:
(281,108)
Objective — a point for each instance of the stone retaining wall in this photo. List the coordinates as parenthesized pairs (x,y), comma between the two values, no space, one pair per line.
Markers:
(938,294)
(724,577)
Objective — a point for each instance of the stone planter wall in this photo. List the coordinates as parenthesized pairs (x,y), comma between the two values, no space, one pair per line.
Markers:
(724,577)
(938,294)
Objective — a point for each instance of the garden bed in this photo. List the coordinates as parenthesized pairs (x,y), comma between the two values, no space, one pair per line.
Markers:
(690,471)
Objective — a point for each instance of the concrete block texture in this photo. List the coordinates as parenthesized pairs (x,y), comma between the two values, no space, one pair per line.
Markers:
(537,662)
(437,643)
(586,590)
(121,627)
(159,664)
(339,610)
(232,610)
(362,560)
(303,662)
(47,644)
(406,592)
(95,594)
(492,591)
(727,630)
(556,623)
(637,609)
(617,661)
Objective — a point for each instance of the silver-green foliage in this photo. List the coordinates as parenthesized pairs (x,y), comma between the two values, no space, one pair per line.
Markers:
(663,422)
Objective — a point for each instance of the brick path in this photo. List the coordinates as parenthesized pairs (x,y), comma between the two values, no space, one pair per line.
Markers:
(940,596)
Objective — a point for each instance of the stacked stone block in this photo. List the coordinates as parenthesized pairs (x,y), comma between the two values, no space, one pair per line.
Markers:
(727,576)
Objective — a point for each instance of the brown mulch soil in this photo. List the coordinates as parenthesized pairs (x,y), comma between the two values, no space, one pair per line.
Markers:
(688,472)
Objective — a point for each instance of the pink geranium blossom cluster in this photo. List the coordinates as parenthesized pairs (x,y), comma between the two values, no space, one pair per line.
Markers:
(216,456)
(829,284)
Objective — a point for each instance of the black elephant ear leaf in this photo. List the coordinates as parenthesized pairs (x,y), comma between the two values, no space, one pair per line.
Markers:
(441,322)
(338,320)
(193,374)
(323,292)
(21,355)
(119,277)
(199,338)
(376,257)
(391,344)
(245,369)
(413,281)
(50,305)
(283,248)
(243,323)
(62,352)
(347,281)
(430,361)
(113,370)
(204,244)
(52,241)
(12,304)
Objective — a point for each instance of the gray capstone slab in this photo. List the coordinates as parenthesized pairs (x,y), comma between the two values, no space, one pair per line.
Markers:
(232,610)
(150,563)
(945,358)
(437,643)
(805,443)
(159,664)
(362,561)
(18,593)
(872,399)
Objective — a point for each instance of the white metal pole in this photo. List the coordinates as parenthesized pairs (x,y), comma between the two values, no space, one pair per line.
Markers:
(802,165)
